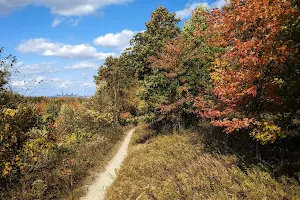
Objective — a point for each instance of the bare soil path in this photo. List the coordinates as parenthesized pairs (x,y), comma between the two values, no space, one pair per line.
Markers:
(103,180)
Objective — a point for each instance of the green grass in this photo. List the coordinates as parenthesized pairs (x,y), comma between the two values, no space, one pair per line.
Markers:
(177,166)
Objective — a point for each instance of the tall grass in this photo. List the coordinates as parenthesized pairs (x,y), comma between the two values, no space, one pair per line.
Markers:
(178,166)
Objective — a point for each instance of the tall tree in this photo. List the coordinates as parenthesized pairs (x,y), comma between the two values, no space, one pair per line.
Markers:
(159,30)
(184,63)
(247,76)
(116,86)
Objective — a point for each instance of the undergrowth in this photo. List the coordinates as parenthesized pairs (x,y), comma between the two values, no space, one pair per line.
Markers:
(181,166)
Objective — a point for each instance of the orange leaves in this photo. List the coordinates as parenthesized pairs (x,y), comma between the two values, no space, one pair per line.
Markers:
(68,165)
(234,124)
(41,108)
(254,53)
(125,115)
(175,54)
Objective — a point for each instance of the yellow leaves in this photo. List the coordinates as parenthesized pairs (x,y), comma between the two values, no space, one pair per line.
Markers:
(9,112)
(278,81)
(38,148)
(17,158)
(217,62)
(6,127)
(71,139)
(267,132)
(106,117)
(7,169)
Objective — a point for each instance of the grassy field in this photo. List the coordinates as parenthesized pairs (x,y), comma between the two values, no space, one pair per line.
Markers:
(182,166)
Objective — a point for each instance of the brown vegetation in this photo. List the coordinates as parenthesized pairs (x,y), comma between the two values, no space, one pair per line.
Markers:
(181,166)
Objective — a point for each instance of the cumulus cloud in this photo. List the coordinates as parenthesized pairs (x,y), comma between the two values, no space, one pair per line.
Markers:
(45,47)
(61,7)
(83,65)
(44,67)
(188,10)
(115,40)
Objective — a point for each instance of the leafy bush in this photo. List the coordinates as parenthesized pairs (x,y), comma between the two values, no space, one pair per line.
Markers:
(48,146)
(71,114)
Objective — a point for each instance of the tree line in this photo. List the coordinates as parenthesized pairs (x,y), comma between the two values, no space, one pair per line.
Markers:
(236,67)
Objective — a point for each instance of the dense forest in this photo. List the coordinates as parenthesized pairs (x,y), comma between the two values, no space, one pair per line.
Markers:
(218,97)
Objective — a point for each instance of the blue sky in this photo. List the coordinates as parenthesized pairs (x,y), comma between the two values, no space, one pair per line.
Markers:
(60,44)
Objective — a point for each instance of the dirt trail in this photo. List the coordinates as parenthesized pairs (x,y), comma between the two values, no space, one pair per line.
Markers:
(97,190)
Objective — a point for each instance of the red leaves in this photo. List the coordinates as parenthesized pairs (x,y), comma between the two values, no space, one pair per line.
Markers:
(234,124)
(254,54)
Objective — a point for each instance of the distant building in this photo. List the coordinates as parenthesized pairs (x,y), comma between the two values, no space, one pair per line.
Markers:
(71,95)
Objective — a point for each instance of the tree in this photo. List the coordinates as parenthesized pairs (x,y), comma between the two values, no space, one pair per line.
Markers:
(5,64)
(247,75)
(159,30)
(184,63)
(116,86)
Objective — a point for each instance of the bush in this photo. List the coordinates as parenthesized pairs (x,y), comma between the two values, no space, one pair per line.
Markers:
(48,147)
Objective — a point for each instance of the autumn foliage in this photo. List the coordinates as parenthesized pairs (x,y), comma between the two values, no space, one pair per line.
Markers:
(247,74)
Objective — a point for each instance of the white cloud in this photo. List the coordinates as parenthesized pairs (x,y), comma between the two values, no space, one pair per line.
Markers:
(71,22)
(187,12)
(45,47)
(61,7)
(28,83)
(220,3)
(60,83)
(88,85)
(74,22)
(39,79)
(44,67)
(83,65)
(57,21)
(40,82)
(115,40)
(19,84)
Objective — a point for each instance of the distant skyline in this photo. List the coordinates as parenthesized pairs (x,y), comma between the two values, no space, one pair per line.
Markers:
(60,44)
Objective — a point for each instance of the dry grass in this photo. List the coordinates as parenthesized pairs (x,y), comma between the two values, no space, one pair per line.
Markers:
(96,157)
(178,167)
